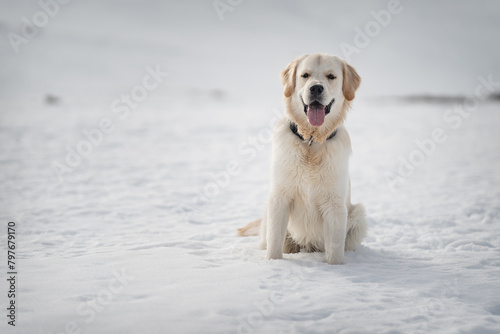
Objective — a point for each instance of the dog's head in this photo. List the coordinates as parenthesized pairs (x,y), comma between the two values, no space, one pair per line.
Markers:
(318,89)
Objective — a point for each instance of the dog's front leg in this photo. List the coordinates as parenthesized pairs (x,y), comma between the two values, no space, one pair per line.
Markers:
(334,228)
(278,213)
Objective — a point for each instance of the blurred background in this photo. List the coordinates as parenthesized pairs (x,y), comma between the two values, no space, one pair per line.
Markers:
(67,65)
(212,68)
(90,49)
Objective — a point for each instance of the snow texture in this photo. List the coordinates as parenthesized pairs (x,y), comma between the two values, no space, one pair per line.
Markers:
(140,236)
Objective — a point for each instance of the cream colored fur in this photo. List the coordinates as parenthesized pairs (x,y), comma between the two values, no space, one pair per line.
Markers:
(309,206)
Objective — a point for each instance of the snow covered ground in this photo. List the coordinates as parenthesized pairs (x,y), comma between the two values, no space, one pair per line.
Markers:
(430,263)
(137,235)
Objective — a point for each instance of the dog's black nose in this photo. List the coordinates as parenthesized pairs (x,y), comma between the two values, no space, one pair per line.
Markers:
(316,90)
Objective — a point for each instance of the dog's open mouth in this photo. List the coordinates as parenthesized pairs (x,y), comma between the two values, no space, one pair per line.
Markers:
(316,112)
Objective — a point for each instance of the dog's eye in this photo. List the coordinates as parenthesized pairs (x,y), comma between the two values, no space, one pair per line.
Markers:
(305,75)
(330,76)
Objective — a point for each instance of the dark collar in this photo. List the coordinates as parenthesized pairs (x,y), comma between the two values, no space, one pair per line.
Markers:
(295,131)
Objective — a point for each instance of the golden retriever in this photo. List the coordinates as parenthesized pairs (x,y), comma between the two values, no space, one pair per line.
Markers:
(309,206)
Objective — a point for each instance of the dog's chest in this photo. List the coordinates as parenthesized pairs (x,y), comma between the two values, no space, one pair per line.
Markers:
(316,169)
(310,158)
(312,163)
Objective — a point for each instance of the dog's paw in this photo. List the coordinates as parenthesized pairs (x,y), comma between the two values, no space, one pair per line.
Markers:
(334,259)
(275,256)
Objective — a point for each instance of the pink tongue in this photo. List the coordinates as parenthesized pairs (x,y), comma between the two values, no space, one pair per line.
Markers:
(316,114)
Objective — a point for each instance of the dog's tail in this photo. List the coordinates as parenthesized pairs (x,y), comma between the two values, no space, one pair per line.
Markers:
(251,229)
(357,226)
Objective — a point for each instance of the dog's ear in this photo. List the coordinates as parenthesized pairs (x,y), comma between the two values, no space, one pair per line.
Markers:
(288,76)
(351,81)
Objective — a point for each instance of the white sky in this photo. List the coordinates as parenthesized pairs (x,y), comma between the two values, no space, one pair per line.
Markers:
(96,48)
